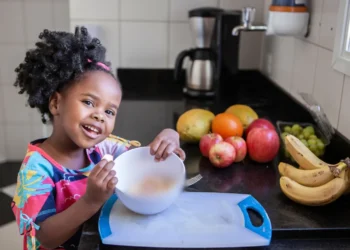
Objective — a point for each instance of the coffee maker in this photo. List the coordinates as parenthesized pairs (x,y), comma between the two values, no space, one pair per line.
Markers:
(216,50)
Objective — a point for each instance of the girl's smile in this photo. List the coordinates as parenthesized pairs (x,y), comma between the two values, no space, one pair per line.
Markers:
(92,131)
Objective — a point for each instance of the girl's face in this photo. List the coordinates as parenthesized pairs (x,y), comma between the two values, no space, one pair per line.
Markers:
(86,111)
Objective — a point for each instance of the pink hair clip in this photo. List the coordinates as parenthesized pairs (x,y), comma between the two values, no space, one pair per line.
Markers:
(102,65)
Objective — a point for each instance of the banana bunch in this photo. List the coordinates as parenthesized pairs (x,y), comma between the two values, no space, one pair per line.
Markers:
(315,182)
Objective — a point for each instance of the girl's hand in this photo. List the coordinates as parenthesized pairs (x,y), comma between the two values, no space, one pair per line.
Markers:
(165,143)
(101,183)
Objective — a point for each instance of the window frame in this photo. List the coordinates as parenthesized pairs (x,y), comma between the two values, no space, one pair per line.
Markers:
(341,49)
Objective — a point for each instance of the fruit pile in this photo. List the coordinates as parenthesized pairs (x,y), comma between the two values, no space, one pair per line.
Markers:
(228,137)
(315,182)
(307,136)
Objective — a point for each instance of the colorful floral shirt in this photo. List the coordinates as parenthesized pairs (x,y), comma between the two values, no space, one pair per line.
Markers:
(44,187)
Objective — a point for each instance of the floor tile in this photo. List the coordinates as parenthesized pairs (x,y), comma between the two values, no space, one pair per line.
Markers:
(8,173)
(9,190)
(10,237)
(5,209)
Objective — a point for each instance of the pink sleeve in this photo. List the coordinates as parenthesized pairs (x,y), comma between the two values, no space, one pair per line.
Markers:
(115,145)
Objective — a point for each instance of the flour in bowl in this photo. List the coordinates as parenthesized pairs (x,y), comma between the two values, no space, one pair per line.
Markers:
(152,185)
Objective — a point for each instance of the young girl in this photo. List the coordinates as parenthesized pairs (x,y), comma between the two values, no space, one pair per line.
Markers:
(63,181)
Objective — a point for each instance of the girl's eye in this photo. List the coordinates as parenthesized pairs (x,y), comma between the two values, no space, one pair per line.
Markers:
(110,112)
(87,102)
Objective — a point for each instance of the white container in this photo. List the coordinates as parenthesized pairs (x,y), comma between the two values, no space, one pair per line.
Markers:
(287,23)
(135,165)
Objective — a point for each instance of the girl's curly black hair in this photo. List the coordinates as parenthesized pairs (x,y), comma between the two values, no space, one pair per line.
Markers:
(59,59)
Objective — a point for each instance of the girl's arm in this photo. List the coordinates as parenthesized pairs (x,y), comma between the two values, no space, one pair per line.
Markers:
(58,228)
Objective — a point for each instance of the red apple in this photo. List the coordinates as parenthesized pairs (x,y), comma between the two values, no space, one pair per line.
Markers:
(240,146)
(222,154)
(207,141)
(259,123)
(263,144)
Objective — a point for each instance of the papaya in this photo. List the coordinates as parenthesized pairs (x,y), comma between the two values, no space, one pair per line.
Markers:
(245,113)
(193,124)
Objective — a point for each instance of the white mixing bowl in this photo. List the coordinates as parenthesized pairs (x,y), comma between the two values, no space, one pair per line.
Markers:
(134,166)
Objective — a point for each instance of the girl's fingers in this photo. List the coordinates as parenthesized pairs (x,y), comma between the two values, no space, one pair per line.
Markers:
(180,153)
(160,150)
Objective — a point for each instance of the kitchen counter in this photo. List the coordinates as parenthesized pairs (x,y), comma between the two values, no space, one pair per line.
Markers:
(152,101)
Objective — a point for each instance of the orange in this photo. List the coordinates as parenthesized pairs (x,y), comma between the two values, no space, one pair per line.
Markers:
(226,125)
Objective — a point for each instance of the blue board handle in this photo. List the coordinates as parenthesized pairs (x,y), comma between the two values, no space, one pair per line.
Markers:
(265,230)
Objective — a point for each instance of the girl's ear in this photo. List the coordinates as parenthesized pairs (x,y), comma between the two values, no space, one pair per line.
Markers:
(54,103)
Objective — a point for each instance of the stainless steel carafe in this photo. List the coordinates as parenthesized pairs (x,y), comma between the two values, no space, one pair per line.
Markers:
(201,66)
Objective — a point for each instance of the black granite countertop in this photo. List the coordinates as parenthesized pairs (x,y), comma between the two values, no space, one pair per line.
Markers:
(152,101)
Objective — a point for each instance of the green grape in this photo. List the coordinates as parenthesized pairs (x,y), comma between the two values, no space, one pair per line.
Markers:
(301,136)
(312,142)
(313,137)
(313,148)
(310,129)
(305,142)
(320,145)
(296,129)
(287,129)
(306,134)
(318,140)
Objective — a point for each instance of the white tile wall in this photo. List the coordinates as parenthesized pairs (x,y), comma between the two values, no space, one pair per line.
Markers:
(328,23)
(2,144)
(144,44)
(328,86)
(135,10)
(282,56)
(304,68)
(148,36)
(11,56)
(94,10)
(311,69)
(180,39)
(34,24)
(22,21)
(315,20)
(109,36)
(179,8)
(15,110)
(12,12)
(16,140)
(2,108)
(163,29)
(61,17)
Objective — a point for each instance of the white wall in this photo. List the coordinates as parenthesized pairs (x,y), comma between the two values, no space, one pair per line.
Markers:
(137,33)
(21,23)
(305,64)
(151,33)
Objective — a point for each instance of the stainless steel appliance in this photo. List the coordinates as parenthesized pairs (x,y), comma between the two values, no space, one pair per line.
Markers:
(200,70)
(205,59)
(216,49)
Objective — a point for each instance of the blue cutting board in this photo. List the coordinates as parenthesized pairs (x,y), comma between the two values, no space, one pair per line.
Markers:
(195,220)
